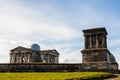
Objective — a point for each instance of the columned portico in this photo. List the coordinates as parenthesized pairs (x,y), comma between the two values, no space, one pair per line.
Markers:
(95,41)
(25,55)
(19,57)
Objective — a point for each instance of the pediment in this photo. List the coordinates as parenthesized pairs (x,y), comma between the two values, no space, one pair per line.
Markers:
(50,51)
(19,48)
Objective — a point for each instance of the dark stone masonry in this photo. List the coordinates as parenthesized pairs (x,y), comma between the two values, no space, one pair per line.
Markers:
(95,57)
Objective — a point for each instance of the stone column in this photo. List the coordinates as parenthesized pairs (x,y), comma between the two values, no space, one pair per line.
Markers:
(51,58)
(56,59)
(18,58)
(26,60)
(14,58)
(85,46)
(48,58)
(24,57)
(28,57)
(90,41)
(42,58)
(103,41)
(10,57)
(21,57)
(97,45)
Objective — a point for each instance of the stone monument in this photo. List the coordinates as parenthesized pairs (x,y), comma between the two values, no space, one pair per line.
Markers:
(95,48)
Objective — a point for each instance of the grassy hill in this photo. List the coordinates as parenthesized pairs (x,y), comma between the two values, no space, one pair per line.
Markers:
(53,75)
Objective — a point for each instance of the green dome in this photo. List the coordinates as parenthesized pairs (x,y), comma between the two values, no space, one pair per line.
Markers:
(112,59)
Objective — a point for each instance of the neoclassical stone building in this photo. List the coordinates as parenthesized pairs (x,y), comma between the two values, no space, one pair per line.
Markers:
(95,48)
(29,55)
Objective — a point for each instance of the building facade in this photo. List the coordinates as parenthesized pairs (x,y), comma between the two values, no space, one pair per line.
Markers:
(28,55)
(95,48)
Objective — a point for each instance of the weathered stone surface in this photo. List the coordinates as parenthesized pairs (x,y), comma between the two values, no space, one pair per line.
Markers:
(24,67)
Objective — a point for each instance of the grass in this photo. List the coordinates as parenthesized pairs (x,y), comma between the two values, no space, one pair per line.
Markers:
(53,75)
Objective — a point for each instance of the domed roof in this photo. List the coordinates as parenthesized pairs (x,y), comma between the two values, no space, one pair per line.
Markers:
(35,47)
(112,59)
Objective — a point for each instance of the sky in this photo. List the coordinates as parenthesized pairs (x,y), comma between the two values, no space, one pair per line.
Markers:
(57,24)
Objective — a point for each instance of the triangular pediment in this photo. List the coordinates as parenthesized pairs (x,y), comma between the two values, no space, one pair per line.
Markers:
(19,48)
(50,51)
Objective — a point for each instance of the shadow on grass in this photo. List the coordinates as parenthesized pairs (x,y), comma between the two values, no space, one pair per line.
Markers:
(100,78)
(111,76)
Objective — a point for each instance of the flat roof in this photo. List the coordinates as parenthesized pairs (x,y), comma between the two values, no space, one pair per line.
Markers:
(95,29)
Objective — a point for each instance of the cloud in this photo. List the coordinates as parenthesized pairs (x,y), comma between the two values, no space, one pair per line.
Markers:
(19,28)
(14,21)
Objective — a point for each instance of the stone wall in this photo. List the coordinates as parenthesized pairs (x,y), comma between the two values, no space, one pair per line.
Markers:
(55,67)
(95,56)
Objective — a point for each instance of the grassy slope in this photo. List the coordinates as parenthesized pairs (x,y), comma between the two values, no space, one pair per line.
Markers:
(52,75)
